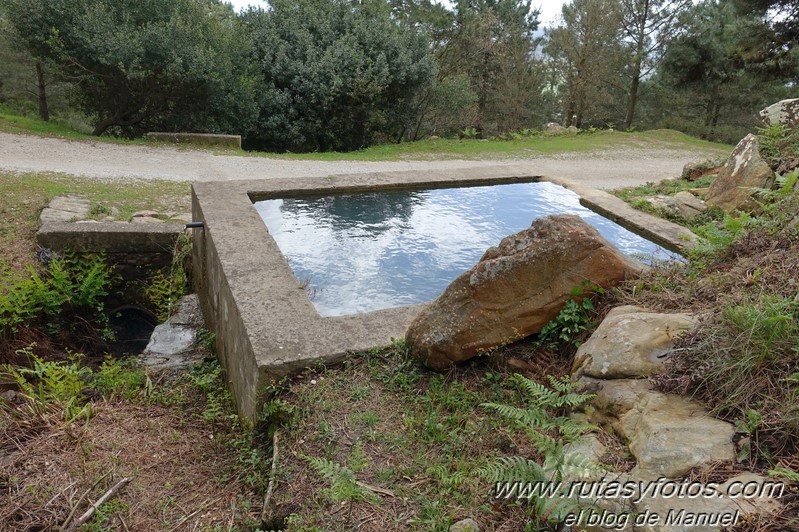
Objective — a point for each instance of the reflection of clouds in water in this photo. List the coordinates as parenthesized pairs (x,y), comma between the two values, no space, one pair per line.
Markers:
(371,251)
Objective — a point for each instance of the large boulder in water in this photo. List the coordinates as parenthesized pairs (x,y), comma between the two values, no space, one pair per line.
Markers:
(515,289)
(744,171)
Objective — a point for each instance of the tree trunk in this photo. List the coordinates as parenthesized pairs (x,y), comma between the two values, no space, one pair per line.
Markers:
(44,111)
(709,111)
(482,96)
(633,102)
(640,43)
(716,114)
(104,124)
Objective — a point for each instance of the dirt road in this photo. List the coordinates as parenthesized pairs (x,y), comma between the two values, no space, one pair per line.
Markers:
(605,169)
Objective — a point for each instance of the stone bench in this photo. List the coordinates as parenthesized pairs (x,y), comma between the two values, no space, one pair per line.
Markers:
(204,139)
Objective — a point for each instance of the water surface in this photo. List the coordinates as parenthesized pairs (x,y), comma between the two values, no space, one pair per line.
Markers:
(371,251)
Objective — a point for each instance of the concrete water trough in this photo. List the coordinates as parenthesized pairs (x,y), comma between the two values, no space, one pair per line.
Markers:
(265,323)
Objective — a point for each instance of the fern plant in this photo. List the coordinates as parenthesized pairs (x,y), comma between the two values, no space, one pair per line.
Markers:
(52,384)
(783,472)
(717,237)
(549,430)
(69,288)
(343,486)
(170,284)
(774,198)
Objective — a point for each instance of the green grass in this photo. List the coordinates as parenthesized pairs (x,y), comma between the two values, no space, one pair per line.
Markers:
(176,437)
(667,187)
(24,195)
(518,147)
(11,122)
(637,198)
(386,421)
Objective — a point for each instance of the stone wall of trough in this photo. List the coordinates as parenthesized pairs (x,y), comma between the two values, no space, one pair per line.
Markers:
(136,252)
(222,315)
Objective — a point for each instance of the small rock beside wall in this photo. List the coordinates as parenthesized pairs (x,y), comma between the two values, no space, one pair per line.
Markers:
(668,435)
(743,172)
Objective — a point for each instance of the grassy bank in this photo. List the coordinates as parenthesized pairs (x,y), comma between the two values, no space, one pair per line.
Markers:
(73,433)
(520,147)
(24,195)
(514,146)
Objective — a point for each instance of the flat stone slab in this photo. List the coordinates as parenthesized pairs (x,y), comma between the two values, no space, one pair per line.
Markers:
(65,209)
(172,343)
(734,500)
(630,342)
(667,434)
(146,220)
(169,339)
(666,505)
(266,327)
(206,139)
(188,312)
(682,204)
(146,213)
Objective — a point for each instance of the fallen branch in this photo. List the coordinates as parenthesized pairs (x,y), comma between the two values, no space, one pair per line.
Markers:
(102,500)
(376,489)
(186,517)
(80,500)
(272,474)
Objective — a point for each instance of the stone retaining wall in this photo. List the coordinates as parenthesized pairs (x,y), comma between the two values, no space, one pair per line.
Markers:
(135,251)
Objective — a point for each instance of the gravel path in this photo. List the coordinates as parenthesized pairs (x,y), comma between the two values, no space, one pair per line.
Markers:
(606,169)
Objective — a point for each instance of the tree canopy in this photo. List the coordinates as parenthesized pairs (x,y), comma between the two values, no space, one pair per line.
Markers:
(336,75)
(317,75)
(142,63)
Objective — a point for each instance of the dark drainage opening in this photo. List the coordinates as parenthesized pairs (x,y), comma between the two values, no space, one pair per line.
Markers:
(132,327)
(276,523)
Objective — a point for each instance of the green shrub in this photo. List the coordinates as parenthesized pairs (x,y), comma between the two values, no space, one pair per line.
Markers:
(58,381)
(744,366)
(171,283)
(343,485)
(63,384)
(572,320)
(121,378)
(718,236)
(63,381)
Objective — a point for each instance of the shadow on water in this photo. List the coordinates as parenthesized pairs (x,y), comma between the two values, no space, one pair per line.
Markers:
(370,212)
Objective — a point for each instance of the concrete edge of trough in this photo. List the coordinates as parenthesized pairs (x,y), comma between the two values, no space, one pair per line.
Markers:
(266,326)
